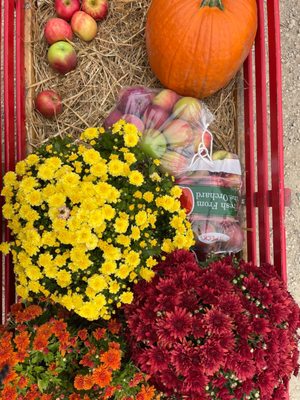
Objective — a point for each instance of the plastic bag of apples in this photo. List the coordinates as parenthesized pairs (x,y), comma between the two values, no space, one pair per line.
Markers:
(175,131)
(171,126)
(211,195)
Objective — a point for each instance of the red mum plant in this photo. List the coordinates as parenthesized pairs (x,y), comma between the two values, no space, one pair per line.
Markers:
(48,353)
(224,331)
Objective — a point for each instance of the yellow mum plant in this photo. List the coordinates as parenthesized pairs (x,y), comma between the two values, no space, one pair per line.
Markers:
(89,219)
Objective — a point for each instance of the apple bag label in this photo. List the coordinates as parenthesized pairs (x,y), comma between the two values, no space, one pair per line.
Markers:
(213,201)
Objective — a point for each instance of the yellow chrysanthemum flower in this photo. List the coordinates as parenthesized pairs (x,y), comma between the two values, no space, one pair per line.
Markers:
(114,287)
(32,159)
(90,133)
(91,157)
(148,196)
(121,224)
(136,178)
(45,172)
(63,278)
(116,168)
(97,283)
(108,267)
(146,274)
(141,218)
(10,178)
(5,248)
(33,273)
(126,297)
(176,191)
(34,198)
(130,137)
(129,158)
(21,168)
(99,169)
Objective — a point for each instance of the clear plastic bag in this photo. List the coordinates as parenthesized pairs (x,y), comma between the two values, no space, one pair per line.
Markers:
(211,194)
(172,126)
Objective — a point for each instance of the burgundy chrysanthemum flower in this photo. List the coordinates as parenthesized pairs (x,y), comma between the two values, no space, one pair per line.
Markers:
(230,304)
(294,318)
(280,393)
(171,381)
(266,296)
(167,303)
(245,389)
(178,323)
(260,326)
(212,357)
(198,328)
(277,313)
(157,360)
(214,281)
(217,322)
(226,271)
(226,341)
(195,383)
(266,382)
(259,357)
(195,328)
(252,285)
(181,358)
(243,368)
(206,295)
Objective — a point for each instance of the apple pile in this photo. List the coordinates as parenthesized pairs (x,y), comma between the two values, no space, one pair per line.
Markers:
(212,201)
(73,17)
(76,18)
(171,125)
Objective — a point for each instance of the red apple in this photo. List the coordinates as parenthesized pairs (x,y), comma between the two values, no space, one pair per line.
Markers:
(189,109)
(97,9)
(178,133)
(62,57)
(112,118)
(133,119)
(134,100)
(154,117)
(84,26)
(66,8)
(202,137)
(57,29)
(153,143)
(174,163)
(187,200)
(48,103)
(166,99)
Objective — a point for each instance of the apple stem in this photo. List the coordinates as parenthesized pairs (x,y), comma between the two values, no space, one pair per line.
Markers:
(213,3)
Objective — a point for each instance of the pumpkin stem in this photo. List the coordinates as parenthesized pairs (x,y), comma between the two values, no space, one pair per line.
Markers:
(213,3)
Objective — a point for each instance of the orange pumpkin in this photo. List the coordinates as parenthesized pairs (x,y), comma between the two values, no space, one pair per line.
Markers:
(195,47)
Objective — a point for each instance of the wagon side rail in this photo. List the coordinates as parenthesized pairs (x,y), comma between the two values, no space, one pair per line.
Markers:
(264,149)
(12,124)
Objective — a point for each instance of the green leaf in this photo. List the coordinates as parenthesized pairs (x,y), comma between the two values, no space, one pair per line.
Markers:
(42,384)
(37,357)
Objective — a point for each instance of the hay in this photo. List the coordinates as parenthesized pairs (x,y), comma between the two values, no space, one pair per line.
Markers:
(115,58)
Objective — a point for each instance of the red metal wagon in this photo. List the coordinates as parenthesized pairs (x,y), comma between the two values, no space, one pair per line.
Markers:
(261,150)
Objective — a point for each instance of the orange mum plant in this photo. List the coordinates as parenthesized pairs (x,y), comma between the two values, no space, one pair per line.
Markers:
(50,354)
